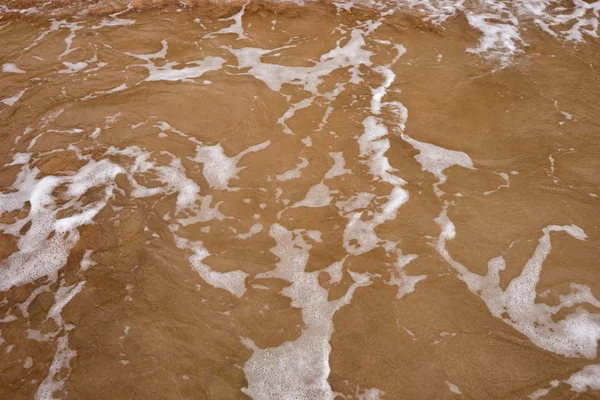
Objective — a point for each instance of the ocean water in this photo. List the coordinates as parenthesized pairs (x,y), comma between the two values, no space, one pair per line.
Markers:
(299,200)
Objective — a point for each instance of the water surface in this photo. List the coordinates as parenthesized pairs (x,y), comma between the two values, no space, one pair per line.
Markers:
(319,200)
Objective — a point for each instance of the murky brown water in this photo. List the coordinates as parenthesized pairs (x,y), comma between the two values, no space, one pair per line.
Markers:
(299,201)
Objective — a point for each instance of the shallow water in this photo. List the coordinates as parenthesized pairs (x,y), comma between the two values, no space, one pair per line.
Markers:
(375,200)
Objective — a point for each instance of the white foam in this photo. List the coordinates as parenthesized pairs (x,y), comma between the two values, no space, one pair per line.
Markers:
(435,159)
(219,169)
(359,235)
(550,18)
(567,115)
(325,118)
(437,11)
(453,388)
(115,21)
(254,229)
(335,270)
(389,77)
(406,283)
(20,159)
(162,53)
(172,176)
(38,336)
(73,67)
(185,72)
(318,195)
(234,281)
(293,173)
(298,369)
(373,144)
(56,377)
(576,335)
(370,394)
(96,133)
(501,23)
(380,91)
(204,213)
(236,28)
(12,68)
(24,306)
(587,378)
(86,261)
(8,318)
(581,381)
(62,360)
(105,92)
(338,166)
(55,26)
(11,101)
(43,249)
(39,256)
(62,297)
(506,184)
(291,111)
(543,391)
(167,128)
(273,75)
(351,55)
(73,27)
(358,201)
(501,37)
(192,69)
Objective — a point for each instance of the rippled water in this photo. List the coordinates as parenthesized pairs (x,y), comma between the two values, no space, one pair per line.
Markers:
(317,200)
